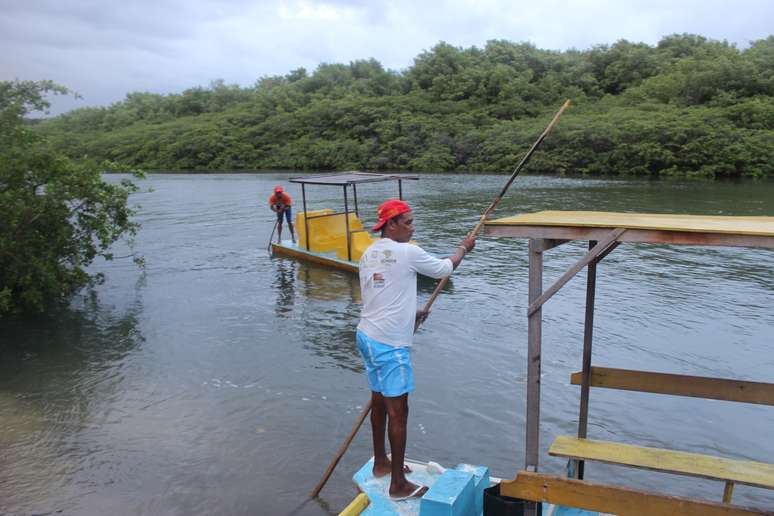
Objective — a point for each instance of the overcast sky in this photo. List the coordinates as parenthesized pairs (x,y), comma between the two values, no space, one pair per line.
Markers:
(104,49)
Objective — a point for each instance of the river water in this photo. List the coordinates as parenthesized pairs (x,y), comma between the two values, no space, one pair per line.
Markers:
(221,381)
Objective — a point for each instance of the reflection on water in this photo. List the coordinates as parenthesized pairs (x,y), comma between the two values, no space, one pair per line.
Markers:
(325,284)
(59,374)
(332,304)
(221,381)
(284,286)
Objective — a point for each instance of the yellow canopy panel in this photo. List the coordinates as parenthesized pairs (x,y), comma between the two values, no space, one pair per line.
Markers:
(757,226)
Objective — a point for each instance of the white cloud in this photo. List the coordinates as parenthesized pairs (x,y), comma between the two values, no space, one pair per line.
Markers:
(104,50)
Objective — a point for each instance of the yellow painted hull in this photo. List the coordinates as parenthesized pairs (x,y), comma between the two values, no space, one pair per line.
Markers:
(287,248)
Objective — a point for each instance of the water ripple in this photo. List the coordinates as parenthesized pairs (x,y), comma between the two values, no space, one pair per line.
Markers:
(222,380)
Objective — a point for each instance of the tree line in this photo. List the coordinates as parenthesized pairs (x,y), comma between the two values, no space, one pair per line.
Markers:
(688,105)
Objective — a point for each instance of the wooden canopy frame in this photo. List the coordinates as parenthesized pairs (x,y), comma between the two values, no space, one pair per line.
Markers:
(604,232)
(346,180)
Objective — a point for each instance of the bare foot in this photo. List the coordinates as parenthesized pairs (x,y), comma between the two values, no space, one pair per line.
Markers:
(407,490)
(382,469)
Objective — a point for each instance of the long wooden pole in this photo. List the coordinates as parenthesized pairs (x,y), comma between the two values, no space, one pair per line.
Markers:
(438,288)
(342,450)
(271,237)
(497,200)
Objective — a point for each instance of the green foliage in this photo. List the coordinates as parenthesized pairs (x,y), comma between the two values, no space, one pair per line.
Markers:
(688,105)
(56,216)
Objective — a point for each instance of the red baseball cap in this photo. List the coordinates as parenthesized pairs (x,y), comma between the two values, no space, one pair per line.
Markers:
(278,189)
(388,210)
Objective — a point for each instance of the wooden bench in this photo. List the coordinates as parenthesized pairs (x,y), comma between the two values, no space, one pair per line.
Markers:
(608,499)
(731,471)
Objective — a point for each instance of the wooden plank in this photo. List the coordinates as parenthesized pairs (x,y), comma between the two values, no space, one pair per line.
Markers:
(356,506)
(614,500)
(632,236)
(733,225)
(572,271)
(747,472)
(679,385)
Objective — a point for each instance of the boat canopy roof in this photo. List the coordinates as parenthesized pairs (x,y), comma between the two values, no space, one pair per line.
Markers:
(640,227)
(350,178)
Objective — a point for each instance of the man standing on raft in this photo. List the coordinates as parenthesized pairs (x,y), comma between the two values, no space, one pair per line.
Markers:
(280,202)
(388,282)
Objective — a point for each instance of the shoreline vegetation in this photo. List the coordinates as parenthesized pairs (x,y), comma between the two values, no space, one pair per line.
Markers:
(688,106)
(58,215)
(525,172)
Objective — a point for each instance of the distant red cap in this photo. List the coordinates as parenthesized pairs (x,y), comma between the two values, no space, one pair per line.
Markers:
(278,189)
(388,210)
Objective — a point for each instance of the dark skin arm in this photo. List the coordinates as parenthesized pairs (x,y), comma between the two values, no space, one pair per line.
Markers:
(467,244)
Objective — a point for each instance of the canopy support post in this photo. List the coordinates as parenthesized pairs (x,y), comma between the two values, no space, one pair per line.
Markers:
(346,224)
(588,333)
(534,323)
(306,217)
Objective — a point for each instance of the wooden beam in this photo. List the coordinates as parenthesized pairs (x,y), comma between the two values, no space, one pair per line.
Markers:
(632,235)
(306,219)
(597,250)
(548,244)
(679,385)
(534,337)
(588,335)
(346,225)
(604,253)
(621,501)
(728,492)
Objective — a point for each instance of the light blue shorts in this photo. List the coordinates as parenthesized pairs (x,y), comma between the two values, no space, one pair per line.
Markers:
(388,367)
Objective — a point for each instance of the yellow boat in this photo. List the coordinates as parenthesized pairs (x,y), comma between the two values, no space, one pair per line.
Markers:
(334,238)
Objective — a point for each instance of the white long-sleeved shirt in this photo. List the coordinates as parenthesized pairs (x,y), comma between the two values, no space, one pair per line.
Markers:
(388,283)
